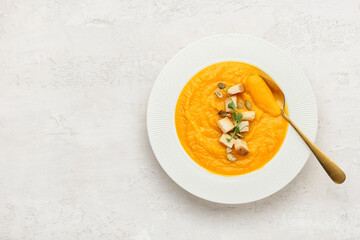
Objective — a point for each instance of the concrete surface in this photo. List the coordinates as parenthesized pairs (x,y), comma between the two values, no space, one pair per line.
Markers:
(75,161)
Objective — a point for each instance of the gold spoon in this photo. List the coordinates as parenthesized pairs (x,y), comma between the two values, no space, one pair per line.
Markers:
(334,172)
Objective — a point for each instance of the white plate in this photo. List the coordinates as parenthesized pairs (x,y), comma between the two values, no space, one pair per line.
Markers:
(256,185)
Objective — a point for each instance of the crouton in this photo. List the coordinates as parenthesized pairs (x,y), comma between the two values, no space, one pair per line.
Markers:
(241,147)
(225,125)
(239,88)
(223,140)
(227,101)
(244,126)
(249,115)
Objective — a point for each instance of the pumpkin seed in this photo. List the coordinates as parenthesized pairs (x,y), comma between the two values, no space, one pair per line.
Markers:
(240,105)
(218,93)
(234,137)
(240,135)
(248,104)
(221,85)
(223,114)
(228,150)
(231,157)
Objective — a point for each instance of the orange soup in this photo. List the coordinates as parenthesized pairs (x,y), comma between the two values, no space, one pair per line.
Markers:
(196,117)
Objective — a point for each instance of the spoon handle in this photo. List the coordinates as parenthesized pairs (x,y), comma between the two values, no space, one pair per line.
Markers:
(334,172)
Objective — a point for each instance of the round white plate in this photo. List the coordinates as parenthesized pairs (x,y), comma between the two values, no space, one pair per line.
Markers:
(256,185)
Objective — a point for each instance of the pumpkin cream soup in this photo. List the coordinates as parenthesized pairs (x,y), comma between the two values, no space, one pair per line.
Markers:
(227,119)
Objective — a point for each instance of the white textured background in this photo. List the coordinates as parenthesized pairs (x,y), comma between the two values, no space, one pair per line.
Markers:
(75,161)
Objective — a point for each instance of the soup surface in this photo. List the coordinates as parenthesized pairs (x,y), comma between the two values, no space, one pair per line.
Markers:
(196,117)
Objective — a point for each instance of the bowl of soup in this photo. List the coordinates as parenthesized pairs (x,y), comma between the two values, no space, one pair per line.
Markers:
(214,126)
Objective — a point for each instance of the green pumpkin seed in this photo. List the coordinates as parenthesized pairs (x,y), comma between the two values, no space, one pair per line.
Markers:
(240,135)
(223,114)
(218,93)
(248,104)
(231,157)
(228,150)
(240,105)
(221,85)
(235,137)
